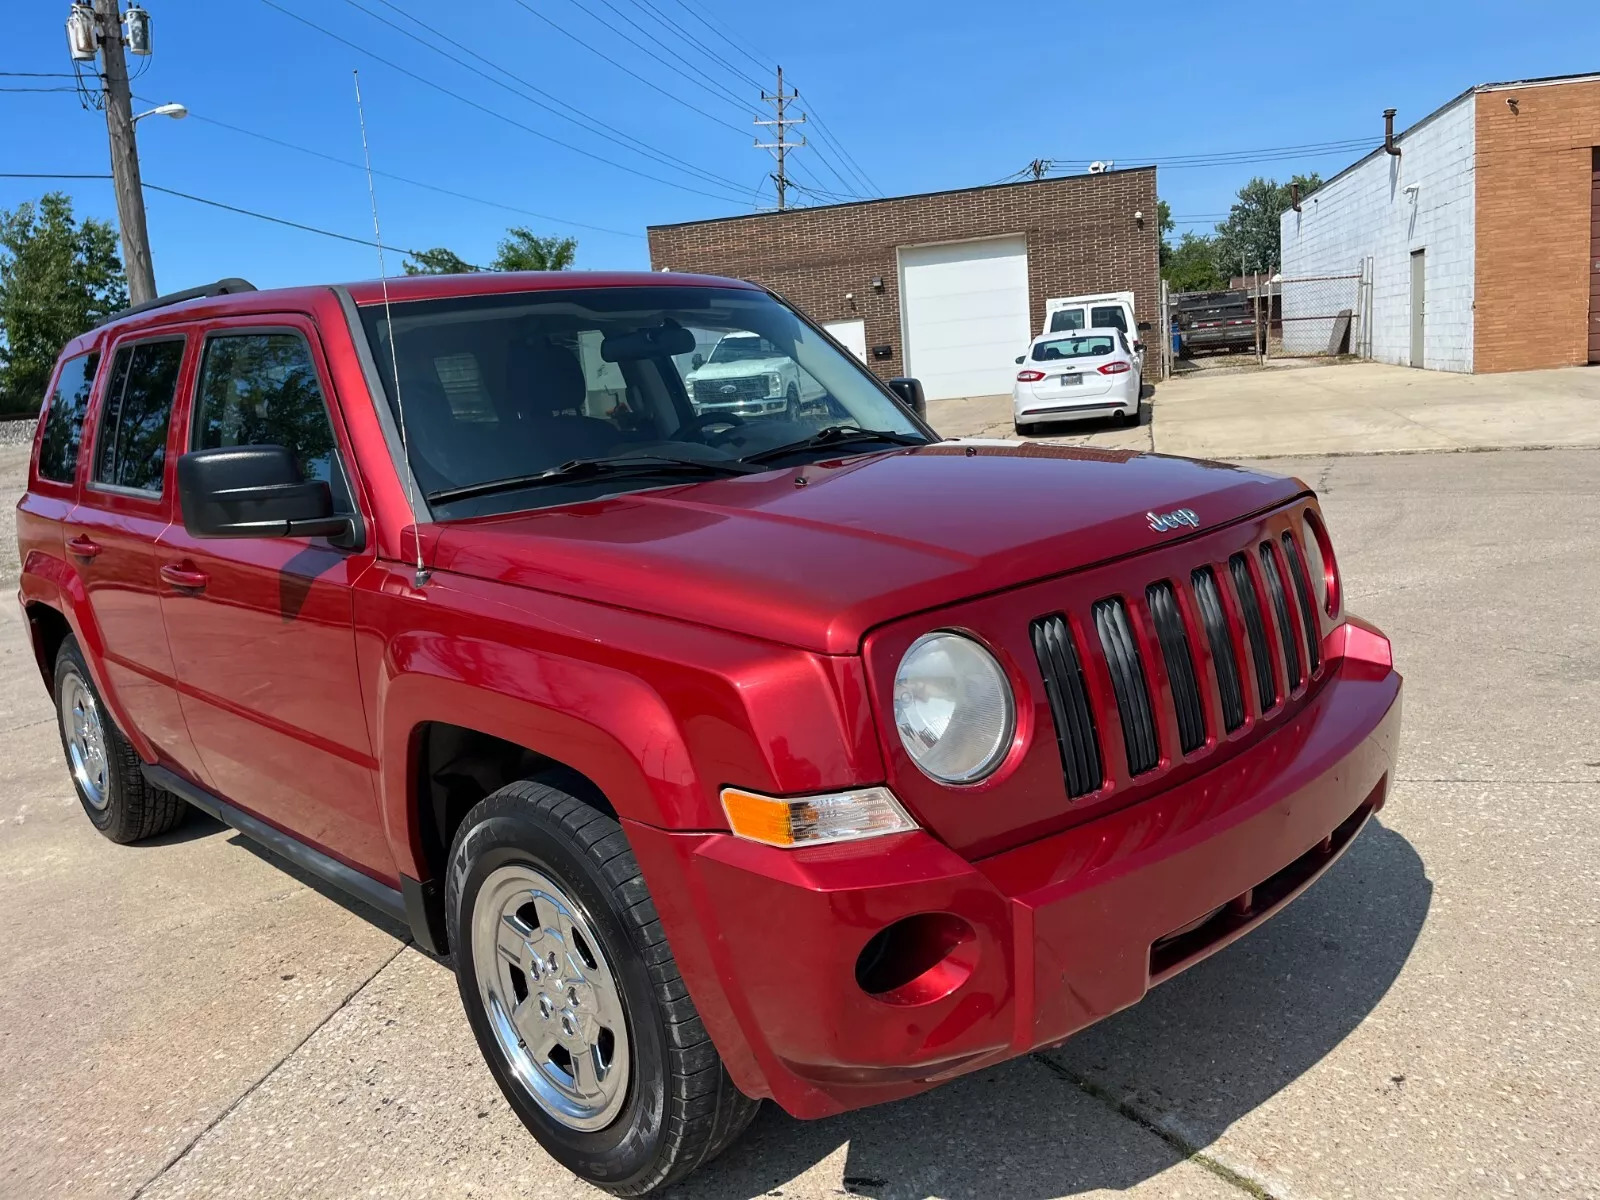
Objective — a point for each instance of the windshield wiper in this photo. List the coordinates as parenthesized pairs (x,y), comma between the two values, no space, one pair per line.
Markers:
(836,435)
(589,468)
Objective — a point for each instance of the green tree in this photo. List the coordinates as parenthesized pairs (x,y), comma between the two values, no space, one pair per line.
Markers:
(1192,265)
(438,261)
(58,277)
(524,250)
(1165,225)
(1249,239)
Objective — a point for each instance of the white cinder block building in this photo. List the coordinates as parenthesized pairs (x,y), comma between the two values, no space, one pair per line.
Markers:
(1479,240)
(1386,209)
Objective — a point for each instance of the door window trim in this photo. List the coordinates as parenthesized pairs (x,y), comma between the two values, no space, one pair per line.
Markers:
(99,405)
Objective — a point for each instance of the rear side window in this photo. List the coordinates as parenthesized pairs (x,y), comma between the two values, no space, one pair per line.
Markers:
(131,448)
(1064,320)
(261,389)
(1109,317)
(1073,347)
(63,421)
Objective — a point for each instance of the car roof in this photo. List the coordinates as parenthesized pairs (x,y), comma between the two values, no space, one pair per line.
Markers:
(400,289)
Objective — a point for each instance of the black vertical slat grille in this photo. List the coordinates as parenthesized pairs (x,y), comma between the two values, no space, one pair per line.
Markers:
(1308,607)
(1250,605)
(1174,639)
(1212,616)
(1127,680)
(1280,610)
(1069,704)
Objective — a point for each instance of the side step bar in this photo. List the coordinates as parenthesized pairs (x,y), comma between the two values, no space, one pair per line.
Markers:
(369,891)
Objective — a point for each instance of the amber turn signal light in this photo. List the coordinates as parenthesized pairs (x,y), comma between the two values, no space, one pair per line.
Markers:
(811,820)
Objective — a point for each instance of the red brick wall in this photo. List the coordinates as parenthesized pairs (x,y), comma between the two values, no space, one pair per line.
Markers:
(1081,238)
(1534,174)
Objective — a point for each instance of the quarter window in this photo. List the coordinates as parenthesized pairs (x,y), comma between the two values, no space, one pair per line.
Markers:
(131,449)
(261,389)
(63,421)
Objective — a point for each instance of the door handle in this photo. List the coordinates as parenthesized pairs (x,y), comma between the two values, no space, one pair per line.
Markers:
(186,578)
(83,547)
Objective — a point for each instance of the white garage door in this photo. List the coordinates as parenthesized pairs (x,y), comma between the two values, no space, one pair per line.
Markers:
(965,308)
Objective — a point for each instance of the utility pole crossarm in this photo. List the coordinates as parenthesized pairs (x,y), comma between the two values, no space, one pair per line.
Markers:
(782,146)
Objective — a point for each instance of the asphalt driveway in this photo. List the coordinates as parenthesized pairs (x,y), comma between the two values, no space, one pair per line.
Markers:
(189,1019)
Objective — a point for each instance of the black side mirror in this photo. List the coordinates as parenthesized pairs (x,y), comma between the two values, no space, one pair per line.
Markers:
(698,361)
(1020,357)
(910,393)
(254,491)
(1144,326)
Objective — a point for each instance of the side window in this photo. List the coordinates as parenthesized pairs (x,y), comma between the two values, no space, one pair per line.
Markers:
(261,389)
(131,447)
(63,421)
(1109,317)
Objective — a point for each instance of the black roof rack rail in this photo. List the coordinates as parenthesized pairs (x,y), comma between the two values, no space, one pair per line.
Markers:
(222,287)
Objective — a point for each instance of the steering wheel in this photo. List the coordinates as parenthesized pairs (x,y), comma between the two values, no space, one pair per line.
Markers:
(700,422)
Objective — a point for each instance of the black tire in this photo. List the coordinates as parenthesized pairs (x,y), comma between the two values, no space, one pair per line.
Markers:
(791,408)
(132,809)
(681,1108)
(1026,428)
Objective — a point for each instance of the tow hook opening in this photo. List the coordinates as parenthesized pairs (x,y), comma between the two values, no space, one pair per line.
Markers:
(918,959)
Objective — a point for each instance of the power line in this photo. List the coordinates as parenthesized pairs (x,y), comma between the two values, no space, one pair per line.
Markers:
(695,13)
(716,90)
(233,208)
(688,38)
(844,154)
(426,82)
(1233,157)
(583,120)
(37,75)
(649,83)
(432,187)
(38,89)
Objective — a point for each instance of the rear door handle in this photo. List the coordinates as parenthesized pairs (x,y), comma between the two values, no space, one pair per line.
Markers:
(187,578)
(83,547)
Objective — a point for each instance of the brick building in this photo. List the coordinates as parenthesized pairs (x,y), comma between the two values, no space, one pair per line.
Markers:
(947,286)
(1481,239)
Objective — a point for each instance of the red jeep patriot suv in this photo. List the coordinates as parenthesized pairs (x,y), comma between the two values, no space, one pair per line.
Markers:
(791,754)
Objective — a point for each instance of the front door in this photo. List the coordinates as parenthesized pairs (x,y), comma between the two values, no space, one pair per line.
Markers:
(1419,305)
(111,533)
(261,629)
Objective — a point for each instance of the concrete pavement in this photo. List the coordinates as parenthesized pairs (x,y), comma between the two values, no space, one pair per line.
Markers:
(1347,408)
(189,1020)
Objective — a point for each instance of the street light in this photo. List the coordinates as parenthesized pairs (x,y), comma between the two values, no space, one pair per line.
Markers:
(176,111)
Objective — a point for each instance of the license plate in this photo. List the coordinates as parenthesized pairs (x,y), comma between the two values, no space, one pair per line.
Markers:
(1069,380)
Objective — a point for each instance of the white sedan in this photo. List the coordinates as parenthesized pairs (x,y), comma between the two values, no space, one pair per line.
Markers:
(1068,376)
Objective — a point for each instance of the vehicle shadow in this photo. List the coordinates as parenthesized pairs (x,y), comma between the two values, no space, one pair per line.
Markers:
(1196,1055)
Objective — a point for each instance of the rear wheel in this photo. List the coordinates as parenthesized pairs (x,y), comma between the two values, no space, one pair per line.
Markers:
(1027,429)
(574,996)
(105,767)
(791,407)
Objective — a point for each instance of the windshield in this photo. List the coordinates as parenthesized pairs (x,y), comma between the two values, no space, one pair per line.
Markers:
(1109,317)
(504,387)
(1073,347)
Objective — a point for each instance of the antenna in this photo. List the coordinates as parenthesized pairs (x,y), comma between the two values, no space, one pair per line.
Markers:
(421,576)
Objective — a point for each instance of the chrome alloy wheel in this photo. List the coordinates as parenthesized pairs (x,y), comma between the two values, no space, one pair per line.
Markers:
(551,997)
(84,732)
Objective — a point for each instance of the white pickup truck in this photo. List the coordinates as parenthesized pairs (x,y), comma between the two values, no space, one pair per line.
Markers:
(1110,310)
(747,376)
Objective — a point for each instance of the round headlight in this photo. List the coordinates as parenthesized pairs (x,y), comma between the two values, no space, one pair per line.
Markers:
(953,707)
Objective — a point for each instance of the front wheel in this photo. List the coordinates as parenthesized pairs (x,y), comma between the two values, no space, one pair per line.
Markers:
(575,998)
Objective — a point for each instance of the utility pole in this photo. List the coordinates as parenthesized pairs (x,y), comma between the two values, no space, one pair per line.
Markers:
(780,148)
(1039,166)
(124,154)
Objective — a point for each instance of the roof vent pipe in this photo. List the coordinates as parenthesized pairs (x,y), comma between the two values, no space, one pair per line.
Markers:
(1294,195)
(1388,133)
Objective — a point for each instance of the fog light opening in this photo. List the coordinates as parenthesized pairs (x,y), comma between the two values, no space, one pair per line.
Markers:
(918,959)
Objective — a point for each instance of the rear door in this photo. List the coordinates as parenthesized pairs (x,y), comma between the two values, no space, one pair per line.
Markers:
(262,629)
(123,506)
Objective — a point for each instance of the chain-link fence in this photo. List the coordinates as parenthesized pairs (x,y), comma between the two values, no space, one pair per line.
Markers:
(1314,315)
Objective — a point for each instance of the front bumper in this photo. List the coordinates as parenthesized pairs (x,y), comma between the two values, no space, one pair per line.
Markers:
(1066,930)
(763,406)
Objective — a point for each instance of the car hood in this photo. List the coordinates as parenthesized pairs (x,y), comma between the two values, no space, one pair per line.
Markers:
(815,556)
(738,370)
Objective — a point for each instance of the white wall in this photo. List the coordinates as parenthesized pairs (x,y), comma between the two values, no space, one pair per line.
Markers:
(1366,211)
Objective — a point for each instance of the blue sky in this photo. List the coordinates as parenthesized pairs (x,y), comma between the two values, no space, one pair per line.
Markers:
(923,96)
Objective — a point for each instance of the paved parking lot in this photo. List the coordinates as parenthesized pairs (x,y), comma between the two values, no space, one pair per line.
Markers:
(188,1019)
(1346,408)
